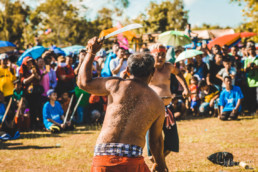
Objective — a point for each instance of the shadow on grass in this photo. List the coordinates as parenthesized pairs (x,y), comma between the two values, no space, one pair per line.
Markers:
(18,146)
(37,135)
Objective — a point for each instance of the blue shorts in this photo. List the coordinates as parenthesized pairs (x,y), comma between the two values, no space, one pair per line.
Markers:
(195,104)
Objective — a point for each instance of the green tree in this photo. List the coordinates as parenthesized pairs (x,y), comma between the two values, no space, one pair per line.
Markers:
(104,19)
(165,16)
(251,13)
(13,20)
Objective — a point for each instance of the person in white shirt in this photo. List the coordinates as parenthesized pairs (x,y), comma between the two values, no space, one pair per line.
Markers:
(118,64)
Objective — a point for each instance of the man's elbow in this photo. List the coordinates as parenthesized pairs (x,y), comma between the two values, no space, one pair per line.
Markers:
(81,84)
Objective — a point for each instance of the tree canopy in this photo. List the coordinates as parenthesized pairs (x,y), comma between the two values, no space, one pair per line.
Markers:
(165,16)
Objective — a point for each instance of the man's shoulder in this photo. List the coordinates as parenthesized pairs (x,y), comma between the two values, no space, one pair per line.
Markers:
(46,104)
(168,65)
(236,88)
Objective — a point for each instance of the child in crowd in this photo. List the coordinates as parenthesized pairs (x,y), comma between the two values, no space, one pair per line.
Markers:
(194,98)
(211,94)
(23,119)
(17,92)
(65,100)
(53,114)
(228,70)
(188,74)
(178,107)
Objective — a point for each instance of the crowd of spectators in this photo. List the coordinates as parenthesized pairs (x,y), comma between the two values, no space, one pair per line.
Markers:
(223,82)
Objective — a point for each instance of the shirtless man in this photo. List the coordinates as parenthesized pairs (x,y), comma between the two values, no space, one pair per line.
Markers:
(160,83)
(133,109)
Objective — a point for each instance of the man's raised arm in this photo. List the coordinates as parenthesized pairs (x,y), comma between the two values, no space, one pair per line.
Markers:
(181,79)
(85,81)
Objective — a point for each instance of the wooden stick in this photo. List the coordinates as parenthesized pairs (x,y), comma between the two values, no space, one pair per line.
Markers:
(7,110)
(19,108)
(67,112)
(77,104)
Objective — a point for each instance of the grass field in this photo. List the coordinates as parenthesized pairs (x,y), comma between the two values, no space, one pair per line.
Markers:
(40,151)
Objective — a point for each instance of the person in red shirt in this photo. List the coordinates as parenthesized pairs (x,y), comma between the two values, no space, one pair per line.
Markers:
(65,76)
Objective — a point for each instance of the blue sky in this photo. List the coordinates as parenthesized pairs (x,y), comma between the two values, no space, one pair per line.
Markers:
(215,12)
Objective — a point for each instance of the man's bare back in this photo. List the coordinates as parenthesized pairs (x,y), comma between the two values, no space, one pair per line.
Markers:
(133,107)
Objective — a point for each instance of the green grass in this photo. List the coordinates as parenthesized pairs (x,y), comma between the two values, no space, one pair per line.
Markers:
(39,151)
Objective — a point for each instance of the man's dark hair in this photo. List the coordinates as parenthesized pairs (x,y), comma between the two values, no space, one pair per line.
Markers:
(229,77)
(178,48)
(218,47)
(202,83)
(82,51)
(226,59)
(141,64)
(116,43)
(236,47)
(189,67)
(122,48)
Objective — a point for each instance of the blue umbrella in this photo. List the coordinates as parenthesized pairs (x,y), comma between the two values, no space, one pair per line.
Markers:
(6,46)
(59,51)
(34,52)
(75,49)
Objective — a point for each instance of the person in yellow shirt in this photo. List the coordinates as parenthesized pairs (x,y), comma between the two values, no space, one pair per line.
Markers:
(7,76)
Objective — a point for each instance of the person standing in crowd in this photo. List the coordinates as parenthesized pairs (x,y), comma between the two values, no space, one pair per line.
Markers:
(118,64)
(251,69)
(128,98)
(224,51)
(230,100)
(160,83)
(216,49)
(226,71)
(192,35)
(65,75)
(7,76)
(234,53)
(45,83)
(106,72)
(200,68)
(48,56)
(69,61)
(82,55)
(215,66)
(53,114)
(30,78)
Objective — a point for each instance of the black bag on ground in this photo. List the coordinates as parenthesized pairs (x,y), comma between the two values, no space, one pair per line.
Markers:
(222,158)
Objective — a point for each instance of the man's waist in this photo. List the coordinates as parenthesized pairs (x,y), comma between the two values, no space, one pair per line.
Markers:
(118,149)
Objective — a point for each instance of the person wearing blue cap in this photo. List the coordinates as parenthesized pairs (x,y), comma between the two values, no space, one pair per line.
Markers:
(53,114)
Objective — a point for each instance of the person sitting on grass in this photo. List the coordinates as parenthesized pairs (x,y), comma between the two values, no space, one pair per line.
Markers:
(53,114)
(211,94)
(230,100)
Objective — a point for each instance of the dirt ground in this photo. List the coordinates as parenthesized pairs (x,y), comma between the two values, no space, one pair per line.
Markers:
(73,151)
